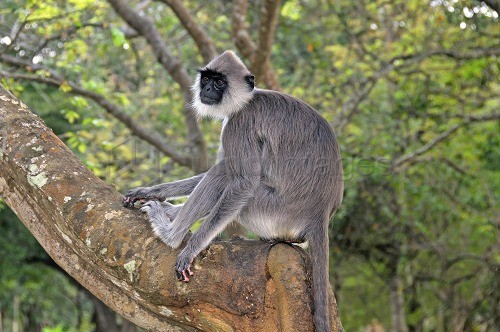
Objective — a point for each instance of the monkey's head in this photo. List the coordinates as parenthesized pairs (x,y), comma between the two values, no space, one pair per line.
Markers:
(222,87)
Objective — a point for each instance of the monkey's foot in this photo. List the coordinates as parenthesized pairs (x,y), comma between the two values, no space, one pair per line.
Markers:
(159,219)
(183,268)
(139,194)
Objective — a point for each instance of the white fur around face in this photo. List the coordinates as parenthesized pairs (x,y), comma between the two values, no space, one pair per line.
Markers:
(234,99)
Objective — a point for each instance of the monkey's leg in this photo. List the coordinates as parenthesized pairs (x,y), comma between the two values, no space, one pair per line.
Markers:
(158,217)
(163,208)
(162,191)
(201,201)
(171,210)
(235,196)
(198,205)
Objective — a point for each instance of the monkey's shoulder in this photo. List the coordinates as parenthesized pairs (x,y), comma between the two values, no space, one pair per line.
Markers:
(277,99)
(280,120)
(279,110)
(269,104)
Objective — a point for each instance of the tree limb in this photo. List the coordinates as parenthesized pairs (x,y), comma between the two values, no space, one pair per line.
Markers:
(268,21)
(64,35)
(479,117)
(426,147)
(349,108)
(459,55)
(111,251)
(55,79)
(241,37)
(144,26)
(202,40)
(267,28)
(259,56)
(411,156)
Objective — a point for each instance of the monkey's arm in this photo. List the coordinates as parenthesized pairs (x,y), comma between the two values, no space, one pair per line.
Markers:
(243,165)
(162,191)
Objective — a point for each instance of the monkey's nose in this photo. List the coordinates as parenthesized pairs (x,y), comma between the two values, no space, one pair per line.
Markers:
(207,88)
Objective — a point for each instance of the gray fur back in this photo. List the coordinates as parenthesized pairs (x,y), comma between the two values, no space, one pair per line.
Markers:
(299,152)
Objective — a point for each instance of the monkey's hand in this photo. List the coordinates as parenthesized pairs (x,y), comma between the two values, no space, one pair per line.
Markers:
(183,267)
(140,194)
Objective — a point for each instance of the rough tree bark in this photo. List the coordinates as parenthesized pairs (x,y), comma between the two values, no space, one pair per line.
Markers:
(238,285)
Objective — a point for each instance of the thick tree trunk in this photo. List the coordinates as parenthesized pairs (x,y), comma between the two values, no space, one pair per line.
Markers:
(238,285)
(103,318)
(15,314)
(397,306)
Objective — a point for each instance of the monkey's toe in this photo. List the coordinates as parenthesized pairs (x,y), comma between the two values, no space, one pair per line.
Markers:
(184,274)
(151,207)
(183,270)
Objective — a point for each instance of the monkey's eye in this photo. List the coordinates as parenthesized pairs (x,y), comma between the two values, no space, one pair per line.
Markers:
(219,83)
(205,80)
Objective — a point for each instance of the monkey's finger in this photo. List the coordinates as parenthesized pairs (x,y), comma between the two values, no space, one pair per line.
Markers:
(130,201)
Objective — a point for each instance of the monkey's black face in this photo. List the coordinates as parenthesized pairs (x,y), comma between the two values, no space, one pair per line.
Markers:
(212,86)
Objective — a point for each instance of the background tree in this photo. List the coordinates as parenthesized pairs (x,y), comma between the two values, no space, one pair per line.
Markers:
(409,86)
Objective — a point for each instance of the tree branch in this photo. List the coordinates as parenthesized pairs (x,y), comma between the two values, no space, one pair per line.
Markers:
(459,55)
(55,79)
(202,40)
(426,147)
(78,219)
(349,108)
(260,63)
(480,117)
(241,37)
(63,35)
(410,157)
(144,26)
(267,28)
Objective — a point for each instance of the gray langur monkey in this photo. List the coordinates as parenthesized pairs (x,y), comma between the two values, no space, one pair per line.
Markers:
(278,174)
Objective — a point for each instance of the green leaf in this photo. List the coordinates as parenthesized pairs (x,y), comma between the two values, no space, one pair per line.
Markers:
(117,36)
(70,115)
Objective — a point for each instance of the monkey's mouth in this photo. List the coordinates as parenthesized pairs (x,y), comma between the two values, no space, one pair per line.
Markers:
(208,101)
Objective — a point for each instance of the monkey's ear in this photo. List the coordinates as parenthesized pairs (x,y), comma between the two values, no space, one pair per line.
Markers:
(250,79)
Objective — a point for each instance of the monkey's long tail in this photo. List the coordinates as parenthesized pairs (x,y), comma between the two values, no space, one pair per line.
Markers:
(319,257)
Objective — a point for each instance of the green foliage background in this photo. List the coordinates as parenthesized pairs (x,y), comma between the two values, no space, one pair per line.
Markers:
(390,77)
